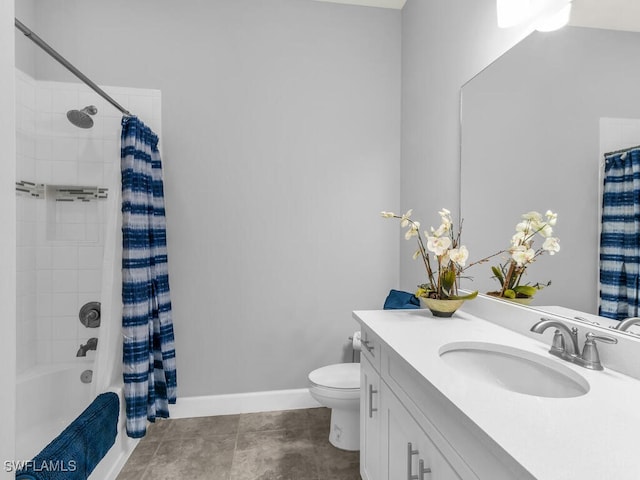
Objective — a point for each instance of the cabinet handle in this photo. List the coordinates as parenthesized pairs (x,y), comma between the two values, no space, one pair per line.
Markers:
(367,346)
(371,409)
(423,470)
(410,453)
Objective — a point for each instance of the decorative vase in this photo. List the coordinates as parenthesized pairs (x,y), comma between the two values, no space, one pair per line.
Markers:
(441,308)
(520,300)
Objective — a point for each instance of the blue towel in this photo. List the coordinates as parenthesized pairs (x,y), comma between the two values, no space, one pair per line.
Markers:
(74,453)
(399,300)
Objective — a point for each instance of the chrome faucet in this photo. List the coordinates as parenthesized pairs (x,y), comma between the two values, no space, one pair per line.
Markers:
(589,358)
(558,346)
(624,325)
(91,344)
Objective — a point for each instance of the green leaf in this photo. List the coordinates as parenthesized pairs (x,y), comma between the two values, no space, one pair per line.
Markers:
(470,296)
(498,274)
(527,290)
(448,279)
(509,294)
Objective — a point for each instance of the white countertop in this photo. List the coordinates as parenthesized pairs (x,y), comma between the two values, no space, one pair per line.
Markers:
(593,436)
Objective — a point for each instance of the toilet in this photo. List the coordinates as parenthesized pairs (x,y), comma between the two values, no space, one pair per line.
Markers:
(338,388)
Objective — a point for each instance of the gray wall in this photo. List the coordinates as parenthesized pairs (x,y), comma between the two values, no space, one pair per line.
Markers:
(281,145)
(532,120)
(25,11)
(444,44)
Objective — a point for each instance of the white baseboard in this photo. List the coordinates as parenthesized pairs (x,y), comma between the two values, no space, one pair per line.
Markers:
(205,406)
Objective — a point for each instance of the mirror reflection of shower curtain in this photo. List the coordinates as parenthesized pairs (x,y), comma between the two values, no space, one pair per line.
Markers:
(620,237)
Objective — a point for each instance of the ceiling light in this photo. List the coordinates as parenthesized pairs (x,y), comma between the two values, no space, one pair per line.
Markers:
(555,21)
(512,12)
(545,15)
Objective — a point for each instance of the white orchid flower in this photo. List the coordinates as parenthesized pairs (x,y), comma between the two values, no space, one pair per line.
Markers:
(523,226)
(413,231)
(405,218)
(552,218)
(438,245)
(545,230)
(442,230)
(533,217)
(445,216)
(518,239)
(551,245)
(388,214)
(537,226)
(523,255)
(459,255)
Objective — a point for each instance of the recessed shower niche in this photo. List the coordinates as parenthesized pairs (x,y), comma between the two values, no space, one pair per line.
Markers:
(72,212)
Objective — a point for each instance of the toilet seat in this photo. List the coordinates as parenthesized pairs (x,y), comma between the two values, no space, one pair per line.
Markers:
(340,376)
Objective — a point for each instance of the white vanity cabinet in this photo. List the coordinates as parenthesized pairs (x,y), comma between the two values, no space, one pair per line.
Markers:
(393,446)
(370,426)
(409,430)
(425,418)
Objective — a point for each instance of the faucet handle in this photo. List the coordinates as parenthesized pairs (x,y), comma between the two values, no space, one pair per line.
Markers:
(602,338)
(582,319)
(590,357)
(558,342)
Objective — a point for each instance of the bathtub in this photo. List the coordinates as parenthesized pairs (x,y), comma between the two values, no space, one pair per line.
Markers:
(110,466)
(48,398)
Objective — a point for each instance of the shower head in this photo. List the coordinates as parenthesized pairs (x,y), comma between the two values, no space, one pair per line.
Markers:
(82,118)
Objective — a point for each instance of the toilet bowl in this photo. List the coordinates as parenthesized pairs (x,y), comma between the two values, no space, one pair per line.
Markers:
(338,388)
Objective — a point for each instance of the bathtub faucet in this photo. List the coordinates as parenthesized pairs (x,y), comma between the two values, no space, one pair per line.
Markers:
(91,344)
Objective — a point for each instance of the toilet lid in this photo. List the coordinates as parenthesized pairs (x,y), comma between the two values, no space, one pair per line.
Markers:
(341,375)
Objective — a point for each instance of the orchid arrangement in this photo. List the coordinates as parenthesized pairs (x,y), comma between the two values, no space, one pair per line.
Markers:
(522,254)
(449,255)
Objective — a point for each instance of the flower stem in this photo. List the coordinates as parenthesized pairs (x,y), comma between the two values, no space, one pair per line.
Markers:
(425,259)
(482,260)
(508,278)
(423,251)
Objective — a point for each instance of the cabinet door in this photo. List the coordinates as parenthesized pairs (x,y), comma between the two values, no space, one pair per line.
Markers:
(369,421)
(399,455)
(407,452)
(433,464)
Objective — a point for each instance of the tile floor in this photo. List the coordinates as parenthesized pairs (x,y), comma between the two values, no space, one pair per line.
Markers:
(287,445)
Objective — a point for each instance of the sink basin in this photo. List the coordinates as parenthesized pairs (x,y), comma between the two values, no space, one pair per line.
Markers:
(514,369)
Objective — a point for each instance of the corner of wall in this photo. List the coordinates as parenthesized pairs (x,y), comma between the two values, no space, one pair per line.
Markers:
(7,236)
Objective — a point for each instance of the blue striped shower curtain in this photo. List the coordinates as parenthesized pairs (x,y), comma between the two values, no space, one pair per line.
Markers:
(149,365)
(620,237)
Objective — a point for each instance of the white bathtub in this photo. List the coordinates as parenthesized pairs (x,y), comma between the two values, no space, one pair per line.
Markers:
(49,397)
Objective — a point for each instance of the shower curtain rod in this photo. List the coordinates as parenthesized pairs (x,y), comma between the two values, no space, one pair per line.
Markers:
(65,63)
(624,150)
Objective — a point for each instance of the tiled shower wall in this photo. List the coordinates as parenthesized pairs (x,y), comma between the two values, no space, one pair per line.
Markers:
(60,242)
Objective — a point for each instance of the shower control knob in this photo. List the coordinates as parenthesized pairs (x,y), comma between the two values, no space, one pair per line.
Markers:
(90,315)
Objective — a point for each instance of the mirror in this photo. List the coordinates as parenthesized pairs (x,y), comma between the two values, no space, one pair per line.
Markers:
(535,125)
